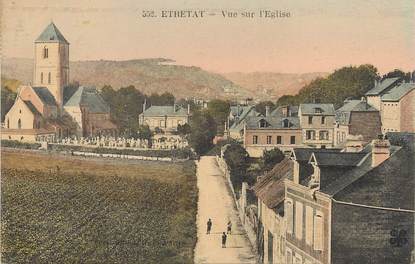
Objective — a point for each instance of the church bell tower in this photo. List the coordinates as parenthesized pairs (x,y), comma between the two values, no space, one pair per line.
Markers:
(51,69)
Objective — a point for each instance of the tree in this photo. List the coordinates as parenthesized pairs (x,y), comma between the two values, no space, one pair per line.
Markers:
(163,99)
(144,133)
(399,74)
(238,160)
(184,129)
(261,107)
(219,110)
(203,131)
(272,157)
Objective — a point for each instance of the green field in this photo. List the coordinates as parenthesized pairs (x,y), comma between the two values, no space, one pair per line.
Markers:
(59,209)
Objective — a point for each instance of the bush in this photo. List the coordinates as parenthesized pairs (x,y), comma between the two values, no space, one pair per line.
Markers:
(272,157)
(19,144)
(237,160)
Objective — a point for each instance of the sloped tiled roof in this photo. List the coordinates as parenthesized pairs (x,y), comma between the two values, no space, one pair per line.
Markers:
(337,159)
(240,122)
(51,34)
(88,97)
(292,108)
(382,86)
(310,109)
(270,188)
(304,154)
(45,95)
(165,110)
(274,122)
(397,92)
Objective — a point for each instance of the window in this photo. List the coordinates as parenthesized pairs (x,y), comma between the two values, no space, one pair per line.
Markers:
(298,220)
(285,123)
(323,120)
(45,53)
(292,140)
(269,139)
(279,140)
(262,123)
(318,231)
(318,110)
(310,120)
(289,257)
(49,78)
(41,77)
(310,134)
(254,139)
(19,124)
(290,215)
(323,135)
(309,225)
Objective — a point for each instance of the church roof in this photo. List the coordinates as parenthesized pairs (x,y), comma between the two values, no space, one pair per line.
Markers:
(51,34)
(88,97)
(45,95)
(31,107)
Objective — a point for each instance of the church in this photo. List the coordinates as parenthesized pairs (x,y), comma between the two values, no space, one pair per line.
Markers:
(48,110)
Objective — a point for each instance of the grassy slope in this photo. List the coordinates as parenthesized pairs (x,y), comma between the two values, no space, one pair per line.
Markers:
(62,209)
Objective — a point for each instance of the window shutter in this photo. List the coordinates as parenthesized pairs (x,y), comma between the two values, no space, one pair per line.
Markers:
(309,225)
(318,231)
(289,215)
(298,220)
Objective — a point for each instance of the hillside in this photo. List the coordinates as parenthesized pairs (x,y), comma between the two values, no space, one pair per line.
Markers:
(161,75)
(271,85)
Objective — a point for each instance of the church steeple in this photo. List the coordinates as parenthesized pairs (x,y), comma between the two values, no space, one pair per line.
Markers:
(52,62)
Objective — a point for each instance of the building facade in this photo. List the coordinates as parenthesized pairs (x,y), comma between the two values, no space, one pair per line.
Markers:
(317,122)
(165,118)
(280,129)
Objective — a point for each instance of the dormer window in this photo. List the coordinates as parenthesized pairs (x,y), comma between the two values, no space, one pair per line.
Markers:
(45,53)
(318,110)
(263,123)
(285,123)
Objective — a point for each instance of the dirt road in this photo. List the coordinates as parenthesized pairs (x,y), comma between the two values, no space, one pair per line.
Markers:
(215,202)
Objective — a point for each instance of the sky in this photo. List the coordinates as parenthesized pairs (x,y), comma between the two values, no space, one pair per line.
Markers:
(319,35)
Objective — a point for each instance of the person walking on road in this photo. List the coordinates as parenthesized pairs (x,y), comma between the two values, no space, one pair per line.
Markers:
(209,226)
(229,227)
(224,240)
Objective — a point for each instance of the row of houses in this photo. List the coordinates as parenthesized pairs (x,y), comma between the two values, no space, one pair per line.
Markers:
(388,107)
(350,205)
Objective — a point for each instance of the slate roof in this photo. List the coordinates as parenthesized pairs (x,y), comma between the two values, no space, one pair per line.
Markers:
(337,159)
(383,86)
(88,97)
(45,95)
(310,109)
(240,122)
(343,113)
(51,34)
(292,108)
(273,122)
(235,110)
(156,110)
(397,92)
(270,188)
(31,107)
(304,154)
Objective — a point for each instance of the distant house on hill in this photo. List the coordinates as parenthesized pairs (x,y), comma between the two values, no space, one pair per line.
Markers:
(166,118)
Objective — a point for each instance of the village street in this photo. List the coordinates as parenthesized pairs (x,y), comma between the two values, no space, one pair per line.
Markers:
(216,202)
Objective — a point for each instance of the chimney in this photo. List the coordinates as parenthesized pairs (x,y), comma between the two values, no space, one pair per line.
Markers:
(174,107)
(267,110)
(188,109)
(380,150)
(144,105)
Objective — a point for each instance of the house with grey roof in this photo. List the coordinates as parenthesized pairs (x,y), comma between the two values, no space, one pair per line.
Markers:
(164,118)
(317,122)
(356,118)
(280,129)
(395,99)
(352,207)
(235,125)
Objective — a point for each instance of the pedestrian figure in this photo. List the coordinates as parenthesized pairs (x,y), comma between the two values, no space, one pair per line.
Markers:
(209,226)
(224,240)
(229,227)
